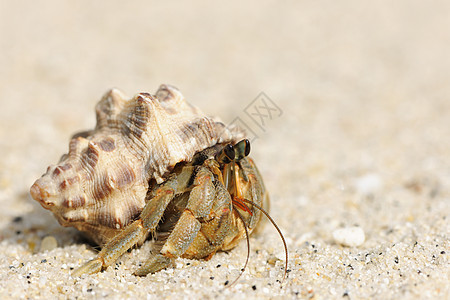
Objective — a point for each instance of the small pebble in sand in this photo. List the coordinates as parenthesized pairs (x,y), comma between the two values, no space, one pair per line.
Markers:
(349,236)
(48,243)
(368,184)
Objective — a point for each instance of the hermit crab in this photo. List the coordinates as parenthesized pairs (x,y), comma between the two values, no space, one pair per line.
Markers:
(156,166)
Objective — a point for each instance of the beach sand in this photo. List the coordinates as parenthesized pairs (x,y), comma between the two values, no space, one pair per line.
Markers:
(347,104)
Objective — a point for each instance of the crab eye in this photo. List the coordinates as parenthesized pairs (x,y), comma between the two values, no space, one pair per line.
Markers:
(227,154)
(229,151)
(242,149)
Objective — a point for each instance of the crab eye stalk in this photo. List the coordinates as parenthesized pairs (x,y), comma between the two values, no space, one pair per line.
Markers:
(242,149)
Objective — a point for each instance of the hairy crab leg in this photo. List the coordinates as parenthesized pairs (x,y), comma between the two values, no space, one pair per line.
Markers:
(214,231)
(254,191)
(199,206)
(131,234)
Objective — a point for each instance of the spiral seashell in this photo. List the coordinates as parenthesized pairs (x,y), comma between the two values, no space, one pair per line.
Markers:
(100,186)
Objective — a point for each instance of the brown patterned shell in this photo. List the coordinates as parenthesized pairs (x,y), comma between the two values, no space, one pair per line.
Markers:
(100,186)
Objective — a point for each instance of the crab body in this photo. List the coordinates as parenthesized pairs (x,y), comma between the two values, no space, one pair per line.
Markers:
(155,165)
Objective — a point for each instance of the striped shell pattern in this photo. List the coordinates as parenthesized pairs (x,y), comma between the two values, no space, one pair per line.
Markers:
(100,186)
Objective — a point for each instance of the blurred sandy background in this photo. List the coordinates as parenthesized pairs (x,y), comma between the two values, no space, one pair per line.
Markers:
(362,139)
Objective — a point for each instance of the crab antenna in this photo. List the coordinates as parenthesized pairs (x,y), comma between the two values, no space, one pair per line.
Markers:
(248,247)
(276,227)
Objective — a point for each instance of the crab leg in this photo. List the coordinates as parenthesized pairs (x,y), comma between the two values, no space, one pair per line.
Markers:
(131,234)
(255,189)
(200,209)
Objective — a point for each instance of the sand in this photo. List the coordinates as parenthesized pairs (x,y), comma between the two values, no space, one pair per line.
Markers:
(351,136)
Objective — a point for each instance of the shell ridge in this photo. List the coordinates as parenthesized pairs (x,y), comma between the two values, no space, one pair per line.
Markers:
(104,179)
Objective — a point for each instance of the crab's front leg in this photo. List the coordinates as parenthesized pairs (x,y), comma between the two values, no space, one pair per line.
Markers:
(201,208)
(131,234)
(252,188)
